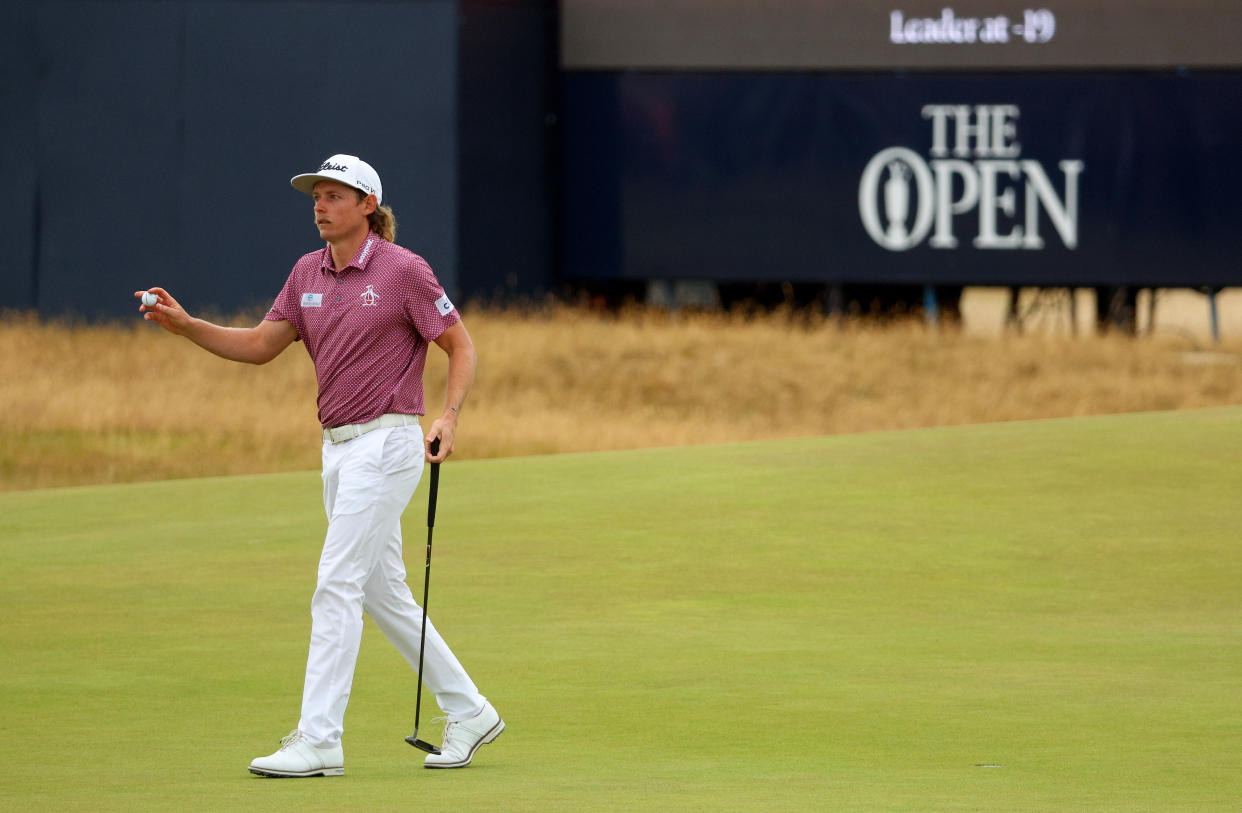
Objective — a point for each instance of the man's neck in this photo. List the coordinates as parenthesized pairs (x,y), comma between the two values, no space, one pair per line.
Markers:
(344,250)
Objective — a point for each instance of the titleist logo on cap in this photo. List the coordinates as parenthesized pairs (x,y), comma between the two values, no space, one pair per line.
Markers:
(347,169)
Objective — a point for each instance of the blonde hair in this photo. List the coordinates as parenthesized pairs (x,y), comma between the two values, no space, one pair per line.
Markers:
(382,221)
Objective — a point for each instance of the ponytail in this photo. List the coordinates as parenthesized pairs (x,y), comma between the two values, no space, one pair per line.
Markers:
(384,223)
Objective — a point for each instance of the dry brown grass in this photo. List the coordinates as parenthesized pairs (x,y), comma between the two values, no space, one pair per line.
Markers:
(105,404)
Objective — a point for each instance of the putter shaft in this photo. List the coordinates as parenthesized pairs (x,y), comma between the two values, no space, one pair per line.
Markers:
(422,635)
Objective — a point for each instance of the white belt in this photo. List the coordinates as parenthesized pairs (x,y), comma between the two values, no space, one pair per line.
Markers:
(340,434)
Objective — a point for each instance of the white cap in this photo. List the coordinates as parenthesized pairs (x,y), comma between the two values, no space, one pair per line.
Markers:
(347,169)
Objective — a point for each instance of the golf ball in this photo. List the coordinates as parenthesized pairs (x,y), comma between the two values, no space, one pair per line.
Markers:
(149,299)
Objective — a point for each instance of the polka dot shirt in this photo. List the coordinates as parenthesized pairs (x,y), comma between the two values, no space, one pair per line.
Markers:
(366,328)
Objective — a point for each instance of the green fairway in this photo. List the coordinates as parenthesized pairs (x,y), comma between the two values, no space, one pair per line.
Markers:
(854,623)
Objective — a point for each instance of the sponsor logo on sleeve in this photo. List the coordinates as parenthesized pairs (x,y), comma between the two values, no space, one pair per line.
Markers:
(444,306)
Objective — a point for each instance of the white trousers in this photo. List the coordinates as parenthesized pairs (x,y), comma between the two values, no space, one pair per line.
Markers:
(367,483)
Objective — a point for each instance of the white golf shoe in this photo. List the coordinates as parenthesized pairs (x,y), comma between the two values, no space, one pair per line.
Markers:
(463,738)
(297,757)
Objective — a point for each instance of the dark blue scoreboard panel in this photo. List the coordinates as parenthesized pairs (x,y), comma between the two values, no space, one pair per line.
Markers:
(1048,178)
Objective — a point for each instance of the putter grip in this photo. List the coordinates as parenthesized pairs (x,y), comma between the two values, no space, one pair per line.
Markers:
(435,486)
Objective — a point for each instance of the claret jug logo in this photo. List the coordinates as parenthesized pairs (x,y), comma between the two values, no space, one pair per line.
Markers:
(997,197)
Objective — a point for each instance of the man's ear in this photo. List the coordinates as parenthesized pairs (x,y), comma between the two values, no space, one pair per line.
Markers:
(370,203)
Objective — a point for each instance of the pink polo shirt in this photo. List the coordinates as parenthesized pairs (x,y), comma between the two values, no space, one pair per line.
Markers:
(366,328)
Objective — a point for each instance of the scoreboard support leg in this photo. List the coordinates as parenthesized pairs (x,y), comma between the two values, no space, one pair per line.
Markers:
(931,305)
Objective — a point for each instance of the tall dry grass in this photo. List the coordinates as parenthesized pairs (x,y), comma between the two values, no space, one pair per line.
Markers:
(87,404)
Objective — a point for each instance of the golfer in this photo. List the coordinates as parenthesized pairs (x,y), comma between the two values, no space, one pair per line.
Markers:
(366,311)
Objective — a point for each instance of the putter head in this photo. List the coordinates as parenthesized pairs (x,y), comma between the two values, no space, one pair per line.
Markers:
(422,746)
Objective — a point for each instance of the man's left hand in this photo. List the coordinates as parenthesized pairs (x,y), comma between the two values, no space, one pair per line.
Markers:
(444,429)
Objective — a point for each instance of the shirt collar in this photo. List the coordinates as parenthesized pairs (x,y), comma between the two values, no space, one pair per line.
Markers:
(359,261)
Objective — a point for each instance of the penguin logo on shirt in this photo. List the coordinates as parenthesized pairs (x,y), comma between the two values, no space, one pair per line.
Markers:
(369,297)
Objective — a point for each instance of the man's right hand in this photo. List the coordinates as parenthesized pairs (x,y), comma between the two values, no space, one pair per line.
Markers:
(167,313)
(253,345)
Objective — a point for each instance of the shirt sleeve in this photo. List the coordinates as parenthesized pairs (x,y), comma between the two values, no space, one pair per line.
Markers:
(287,308)
(427,306)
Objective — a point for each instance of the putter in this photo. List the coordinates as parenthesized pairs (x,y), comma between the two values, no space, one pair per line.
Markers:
(422,636)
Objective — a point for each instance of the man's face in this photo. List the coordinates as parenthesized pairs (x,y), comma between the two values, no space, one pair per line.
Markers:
(339,214)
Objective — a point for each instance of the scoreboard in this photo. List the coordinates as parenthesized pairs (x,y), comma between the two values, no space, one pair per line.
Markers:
(935,142)
(851,35)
